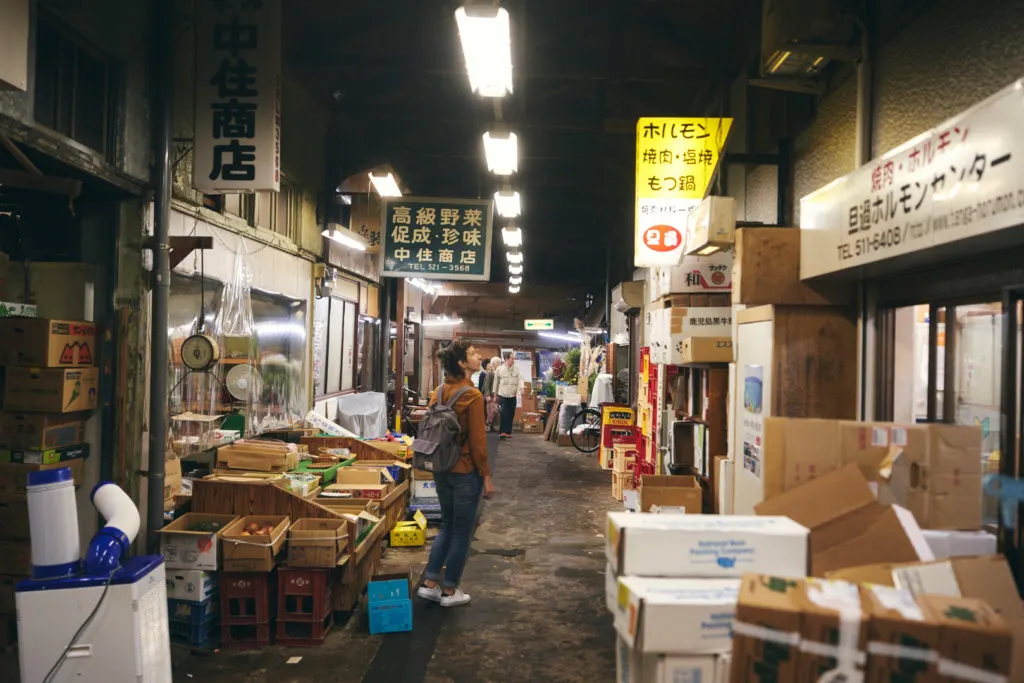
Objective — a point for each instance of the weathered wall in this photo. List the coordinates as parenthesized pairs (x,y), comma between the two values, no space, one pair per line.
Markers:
(949,58)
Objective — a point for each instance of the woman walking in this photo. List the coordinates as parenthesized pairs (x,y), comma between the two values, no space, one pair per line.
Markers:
(489,396)
(458,490)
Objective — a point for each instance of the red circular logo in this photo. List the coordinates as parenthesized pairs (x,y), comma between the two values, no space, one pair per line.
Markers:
(718,278)
(662,238)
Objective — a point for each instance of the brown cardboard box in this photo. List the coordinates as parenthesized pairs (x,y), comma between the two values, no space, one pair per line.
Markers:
(250,552)
(703,350)
(317,542)
(172,477)
(847,524)
(40,431)
(899,625)
(15,557)
(766,604)
(14,476)
(972,637)
(369,491)
(821,604)
(44,343)
(670,491)
(795,452)
(51,391)
(529,403)
(14,517)
(376,476)
(767,271)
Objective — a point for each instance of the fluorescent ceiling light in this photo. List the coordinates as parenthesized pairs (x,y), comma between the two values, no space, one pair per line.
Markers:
(443,321)
(595,330)
(515,269)
(515,257)
(516,280)
(570,337)
(513,237)
(486,39)
(502,152)
(507,203)
(386,185)
(345,237)
(513,289)
(423,285)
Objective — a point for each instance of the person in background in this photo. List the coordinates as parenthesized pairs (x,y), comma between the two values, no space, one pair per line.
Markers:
(507,384)
(459,489)
(489,395)
(481,380)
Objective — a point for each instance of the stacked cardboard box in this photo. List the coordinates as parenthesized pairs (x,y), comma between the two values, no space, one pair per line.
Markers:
(673,582)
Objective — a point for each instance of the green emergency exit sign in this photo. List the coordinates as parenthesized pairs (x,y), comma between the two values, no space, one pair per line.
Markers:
(540,324)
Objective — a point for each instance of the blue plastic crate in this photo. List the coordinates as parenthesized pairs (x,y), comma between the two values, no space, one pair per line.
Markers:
(196,635)
(387,591)
(195,613)
(391,616)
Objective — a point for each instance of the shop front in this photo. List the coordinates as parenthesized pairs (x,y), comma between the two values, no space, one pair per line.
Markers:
(931,230)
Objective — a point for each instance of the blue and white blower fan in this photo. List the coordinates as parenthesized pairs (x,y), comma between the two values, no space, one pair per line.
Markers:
(101,619)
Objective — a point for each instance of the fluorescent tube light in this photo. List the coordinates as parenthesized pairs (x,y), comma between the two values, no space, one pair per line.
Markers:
(516,280)
(515,269)
(513,289)
(513,237)
(423,285)
(559,336)
(507,203)
(502,152)
(444,321)
(515,257)
(386,185)
(486,37)
(346,238)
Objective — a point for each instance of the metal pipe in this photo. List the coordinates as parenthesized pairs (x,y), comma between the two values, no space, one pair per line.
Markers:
(862,155)
(163,79)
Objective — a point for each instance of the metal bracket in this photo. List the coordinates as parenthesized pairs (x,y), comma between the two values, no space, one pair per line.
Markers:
(182,246)
(804,86)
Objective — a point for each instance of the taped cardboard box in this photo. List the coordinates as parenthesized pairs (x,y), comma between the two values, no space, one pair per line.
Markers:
(40,431)
(833,629)
(632,666)
(671,491)
(766,631)
(705,546)
(51,391)
(44,343)
(14,476)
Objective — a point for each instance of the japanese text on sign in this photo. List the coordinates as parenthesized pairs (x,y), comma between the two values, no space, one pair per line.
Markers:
(952,183)
(437,238)
(238,95)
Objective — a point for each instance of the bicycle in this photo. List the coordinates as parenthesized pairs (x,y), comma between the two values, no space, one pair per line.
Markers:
(585,430)
(411,398)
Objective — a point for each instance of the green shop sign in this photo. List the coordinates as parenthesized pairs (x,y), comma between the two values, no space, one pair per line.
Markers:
(432,238)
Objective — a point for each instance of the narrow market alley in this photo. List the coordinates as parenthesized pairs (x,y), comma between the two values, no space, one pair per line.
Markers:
(536,574)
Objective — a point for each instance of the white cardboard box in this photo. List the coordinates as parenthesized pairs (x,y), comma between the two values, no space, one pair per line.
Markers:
(611,589)
(705,546)
(687,669)
(636,667)
(194,585)
(701,321)
(676,616)
(947,544)
(424,489)
(698,275)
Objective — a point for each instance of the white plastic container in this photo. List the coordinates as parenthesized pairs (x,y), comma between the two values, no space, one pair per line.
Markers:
(53,524)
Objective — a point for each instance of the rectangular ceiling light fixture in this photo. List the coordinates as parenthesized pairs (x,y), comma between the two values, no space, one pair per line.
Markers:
(515,257)
(507,202)
(386,185)
(345,237)
(515,280)
(516,269)
(513,289)
(486,37)
(502,152)
(513,237)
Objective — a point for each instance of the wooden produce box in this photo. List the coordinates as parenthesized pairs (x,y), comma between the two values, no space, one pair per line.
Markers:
(245,551)
(255,456)
(767,271)
(317,543)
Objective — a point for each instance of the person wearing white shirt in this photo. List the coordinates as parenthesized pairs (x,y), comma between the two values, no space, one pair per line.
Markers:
(507,384)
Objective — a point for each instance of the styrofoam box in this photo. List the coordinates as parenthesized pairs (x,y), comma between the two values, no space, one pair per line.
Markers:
(705,546)
(611,589)
(424,489)
(195,585)
(677,616)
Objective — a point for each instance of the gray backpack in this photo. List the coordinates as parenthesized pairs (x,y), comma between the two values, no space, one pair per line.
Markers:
(437,447)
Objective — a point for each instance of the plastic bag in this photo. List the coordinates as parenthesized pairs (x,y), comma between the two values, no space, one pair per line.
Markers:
(365,414)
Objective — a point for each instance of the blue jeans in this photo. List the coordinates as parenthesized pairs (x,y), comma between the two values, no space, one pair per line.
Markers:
(459,496)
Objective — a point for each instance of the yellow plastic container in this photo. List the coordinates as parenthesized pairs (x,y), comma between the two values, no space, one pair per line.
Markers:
(410,534)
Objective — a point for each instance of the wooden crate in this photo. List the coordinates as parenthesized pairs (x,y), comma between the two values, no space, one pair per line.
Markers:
(357,571)
(767,271)
(363,450)
(258,498)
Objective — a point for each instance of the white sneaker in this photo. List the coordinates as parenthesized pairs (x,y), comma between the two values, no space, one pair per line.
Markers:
(455,599)
(433,594)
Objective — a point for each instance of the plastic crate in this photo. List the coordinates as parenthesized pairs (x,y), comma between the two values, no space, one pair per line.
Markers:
(245,636)
(304,594)
(387,591)
(391,616)
(197,635)
(248,598)
(193,612)
(304,633)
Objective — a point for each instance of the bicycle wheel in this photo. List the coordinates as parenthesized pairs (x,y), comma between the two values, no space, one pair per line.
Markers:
(585,430)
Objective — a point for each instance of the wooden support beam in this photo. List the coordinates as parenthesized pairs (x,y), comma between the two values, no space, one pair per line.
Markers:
(25,162)
(182,246)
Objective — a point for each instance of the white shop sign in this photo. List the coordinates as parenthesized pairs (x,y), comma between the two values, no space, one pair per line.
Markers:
(961,179)
(238,96)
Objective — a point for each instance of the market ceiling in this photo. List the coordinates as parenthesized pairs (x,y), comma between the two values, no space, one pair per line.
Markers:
(584,71)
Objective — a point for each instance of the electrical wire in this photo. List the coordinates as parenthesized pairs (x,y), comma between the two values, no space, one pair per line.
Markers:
(81,629)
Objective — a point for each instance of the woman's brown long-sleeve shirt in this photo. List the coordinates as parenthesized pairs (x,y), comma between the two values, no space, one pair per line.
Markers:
(472,416)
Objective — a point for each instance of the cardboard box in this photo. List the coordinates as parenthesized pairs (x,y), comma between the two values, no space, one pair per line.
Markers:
(10,309)
(620,484)
(317,542)
(194,585)
(947,544)
(172,477)
(767,271)
(14,518)
(370,491)
(410,534)
(43,343)
(51,456)
(689,350)
(847,525)
(671,491)
(14,476)
(723,485)
(903,638)
(399,471)
(697,275)
(632,666)
(257,456)
(245,552)
(766,630)
(975,643)
(832,625)
(193,541)
(705,546)
(374,476)
(711,321)
(676,616)
(51,391)
(15,557)
(39,431)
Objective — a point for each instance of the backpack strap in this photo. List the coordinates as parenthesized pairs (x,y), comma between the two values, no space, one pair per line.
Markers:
(456,396)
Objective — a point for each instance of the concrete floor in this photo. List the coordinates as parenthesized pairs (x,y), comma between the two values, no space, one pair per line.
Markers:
(536,574)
